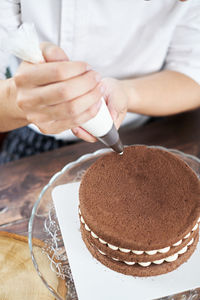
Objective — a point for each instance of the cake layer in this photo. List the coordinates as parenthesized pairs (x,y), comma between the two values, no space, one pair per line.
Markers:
(137,256)
(144,200)
(136,269)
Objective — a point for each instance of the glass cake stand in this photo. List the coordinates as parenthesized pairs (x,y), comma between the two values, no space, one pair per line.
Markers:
(43,225)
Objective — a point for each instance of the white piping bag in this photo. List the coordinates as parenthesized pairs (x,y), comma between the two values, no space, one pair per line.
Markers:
(24,44)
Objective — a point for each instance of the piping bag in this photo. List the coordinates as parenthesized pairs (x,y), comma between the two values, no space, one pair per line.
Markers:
(24,44)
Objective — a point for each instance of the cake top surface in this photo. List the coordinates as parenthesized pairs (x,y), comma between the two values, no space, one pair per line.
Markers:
(146,198)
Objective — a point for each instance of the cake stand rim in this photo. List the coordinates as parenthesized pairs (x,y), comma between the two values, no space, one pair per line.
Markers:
(61,172)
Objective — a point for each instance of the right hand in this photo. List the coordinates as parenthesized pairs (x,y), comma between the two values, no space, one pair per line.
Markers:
(59,94)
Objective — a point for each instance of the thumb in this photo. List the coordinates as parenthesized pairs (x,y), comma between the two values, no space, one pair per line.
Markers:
(52,52)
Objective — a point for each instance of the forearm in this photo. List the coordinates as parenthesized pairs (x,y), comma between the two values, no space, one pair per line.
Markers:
(11,117)
(162,93)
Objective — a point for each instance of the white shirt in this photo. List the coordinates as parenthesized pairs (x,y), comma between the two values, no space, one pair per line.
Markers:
(118,38)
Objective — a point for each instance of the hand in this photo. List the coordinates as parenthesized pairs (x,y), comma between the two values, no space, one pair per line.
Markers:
(116,99)
(59,94)
(117,102)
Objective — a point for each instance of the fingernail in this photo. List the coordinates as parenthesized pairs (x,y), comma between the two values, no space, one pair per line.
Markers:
(88,68)
(98,77)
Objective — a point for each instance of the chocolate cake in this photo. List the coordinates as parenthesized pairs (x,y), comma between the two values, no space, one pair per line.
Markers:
(140,211)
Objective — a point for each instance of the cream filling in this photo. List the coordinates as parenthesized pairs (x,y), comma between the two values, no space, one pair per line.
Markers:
(157,262)
(137,252)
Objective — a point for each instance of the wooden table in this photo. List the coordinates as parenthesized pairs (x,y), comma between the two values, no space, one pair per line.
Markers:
(22,181)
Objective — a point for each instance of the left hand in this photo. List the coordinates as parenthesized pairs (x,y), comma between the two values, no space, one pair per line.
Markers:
(117,102)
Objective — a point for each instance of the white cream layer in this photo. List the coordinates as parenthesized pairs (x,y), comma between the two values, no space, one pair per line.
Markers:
(157,262)
(137,252)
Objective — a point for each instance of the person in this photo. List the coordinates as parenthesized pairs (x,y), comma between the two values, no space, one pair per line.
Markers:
(141,56)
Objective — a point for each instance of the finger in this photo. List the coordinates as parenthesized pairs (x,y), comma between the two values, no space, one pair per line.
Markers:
(47,73)
(113,112)
(64,91)
(46,100)
(75,87)
(52,52)
(116,116)
(53,127)
(84,135)
(119,120)
(110,106)
(57,126)
(62,111)
(87,115)
(76,107)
